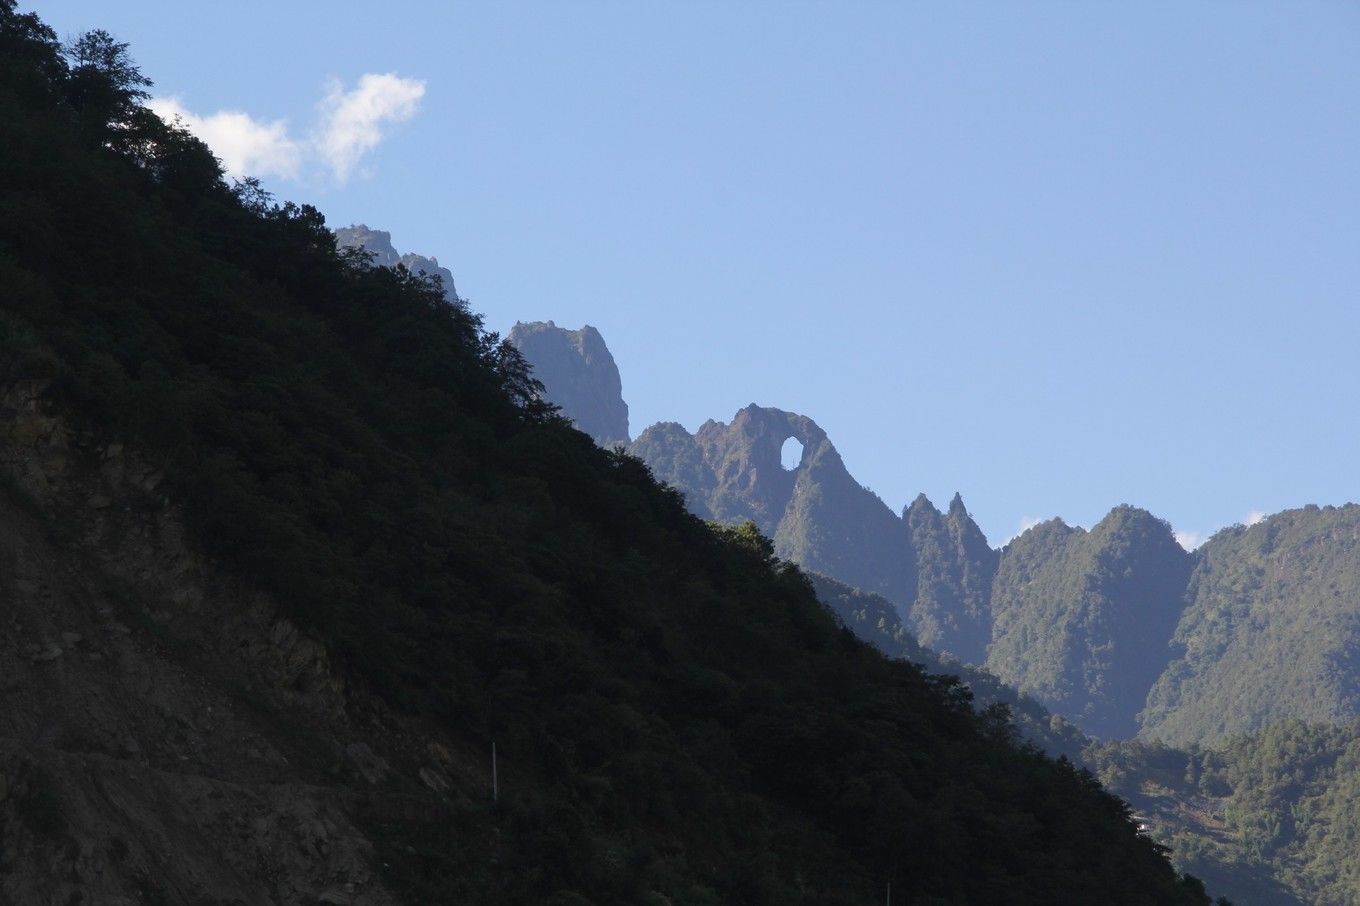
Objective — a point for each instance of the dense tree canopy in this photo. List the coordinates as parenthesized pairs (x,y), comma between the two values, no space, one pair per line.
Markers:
(1271,817)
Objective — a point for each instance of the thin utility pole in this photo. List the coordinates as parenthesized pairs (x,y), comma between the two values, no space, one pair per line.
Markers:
(890,893)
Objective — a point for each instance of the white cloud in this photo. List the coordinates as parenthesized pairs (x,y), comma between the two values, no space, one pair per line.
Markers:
(351,121)
(1254,517)
(1026,523)
(349,124)
(1190,540)
(246,146)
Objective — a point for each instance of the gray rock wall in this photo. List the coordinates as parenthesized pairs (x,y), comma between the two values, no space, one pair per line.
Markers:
(579,375)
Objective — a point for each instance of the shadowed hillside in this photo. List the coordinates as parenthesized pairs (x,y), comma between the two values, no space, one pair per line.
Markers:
(296,542)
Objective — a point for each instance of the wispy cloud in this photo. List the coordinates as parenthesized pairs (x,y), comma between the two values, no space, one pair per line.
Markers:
(348,125)
(245,145)
(351,122)
(1026,523)
(1253,517)
(1190,540)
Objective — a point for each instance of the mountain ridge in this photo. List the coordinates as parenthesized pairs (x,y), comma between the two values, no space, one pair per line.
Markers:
(1112,610)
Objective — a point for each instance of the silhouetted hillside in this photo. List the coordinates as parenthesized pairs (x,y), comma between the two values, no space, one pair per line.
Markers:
(213,413)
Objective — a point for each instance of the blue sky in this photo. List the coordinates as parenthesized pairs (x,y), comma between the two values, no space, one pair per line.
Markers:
(1056,256)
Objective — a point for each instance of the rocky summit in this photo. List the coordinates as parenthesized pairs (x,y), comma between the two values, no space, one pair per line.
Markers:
(379,244)
(580,377)
(935,567)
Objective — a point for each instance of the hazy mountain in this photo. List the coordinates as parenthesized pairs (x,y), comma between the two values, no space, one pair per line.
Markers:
(579,376)
(818,515)
(676,459)
(955,568)
(1271,633)
(1082,620)
(379,242)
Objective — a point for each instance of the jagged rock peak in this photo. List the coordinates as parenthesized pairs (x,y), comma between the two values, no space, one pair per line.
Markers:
(379,242)
(817,514)
(954,569)
(757,433)
(920,506)
(579,376)
(965,530)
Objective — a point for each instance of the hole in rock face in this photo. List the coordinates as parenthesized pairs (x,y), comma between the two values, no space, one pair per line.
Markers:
(791,454)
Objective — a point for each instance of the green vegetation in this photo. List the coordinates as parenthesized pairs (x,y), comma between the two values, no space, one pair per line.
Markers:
(1270,818)
(874,619)
(1270,633)
(955,568)
(675,459)
(680,720)
(1081,620)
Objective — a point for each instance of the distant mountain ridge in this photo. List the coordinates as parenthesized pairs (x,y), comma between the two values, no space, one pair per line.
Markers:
(1118,629)
(816,513)
(1082,620)
(1270,630)
(1114,631)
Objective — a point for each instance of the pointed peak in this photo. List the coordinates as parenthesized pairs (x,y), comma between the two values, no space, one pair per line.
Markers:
(920,506)
(963,527)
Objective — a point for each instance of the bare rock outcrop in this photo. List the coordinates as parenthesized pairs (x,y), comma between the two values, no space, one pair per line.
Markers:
(817,514)
(379,243)
(579,377)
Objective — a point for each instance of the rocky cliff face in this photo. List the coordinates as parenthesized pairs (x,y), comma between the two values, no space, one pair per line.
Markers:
(816,513)
(579,376)
(153,705)
(937,568)
(1080,620)
(379,242)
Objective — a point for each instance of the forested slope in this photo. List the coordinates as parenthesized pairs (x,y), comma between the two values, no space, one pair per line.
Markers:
(874,619)
(1082,620)
(685,722)
(1271,631)
(1270,817)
